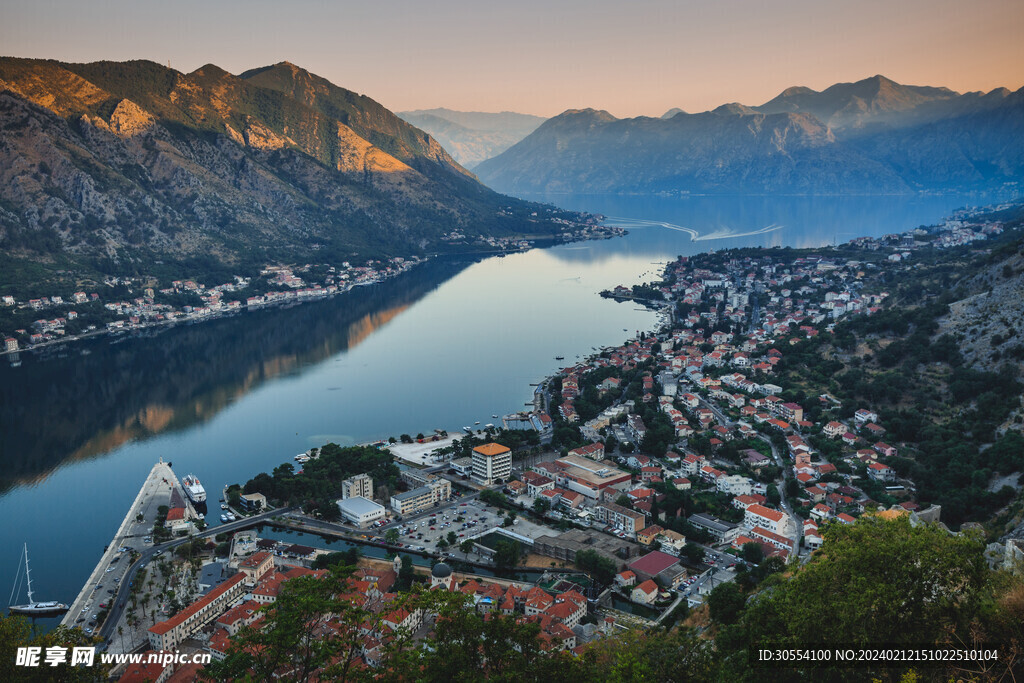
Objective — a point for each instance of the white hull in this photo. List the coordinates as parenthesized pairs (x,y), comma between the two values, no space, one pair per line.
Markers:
(193,489)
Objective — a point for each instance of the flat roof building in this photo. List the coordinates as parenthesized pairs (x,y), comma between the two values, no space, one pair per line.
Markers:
(361,511)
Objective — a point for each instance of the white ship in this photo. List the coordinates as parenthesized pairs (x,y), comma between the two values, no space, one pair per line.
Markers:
(33,608)
(193,489)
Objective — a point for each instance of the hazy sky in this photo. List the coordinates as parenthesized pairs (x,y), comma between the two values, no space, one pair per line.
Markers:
(631,57)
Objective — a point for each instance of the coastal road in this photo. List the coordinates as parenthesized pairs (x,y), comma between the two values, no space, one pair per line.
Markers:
(120,599)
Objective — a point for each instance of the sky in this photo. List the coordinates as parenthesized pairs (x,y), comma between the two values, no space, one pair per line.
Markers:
(630,57)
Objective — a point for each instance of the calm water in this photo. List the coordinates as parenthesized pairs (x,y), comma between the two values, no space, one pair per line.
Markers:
(446,345)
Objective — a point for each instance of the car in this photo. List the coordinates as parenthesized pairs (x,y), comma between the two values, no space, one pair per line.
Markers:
(103,605)
(110,590)
(88,630)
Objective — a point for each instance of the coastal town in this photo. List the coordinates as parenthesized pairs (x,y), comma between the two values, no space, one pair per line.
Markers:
(644,479)
(120,305)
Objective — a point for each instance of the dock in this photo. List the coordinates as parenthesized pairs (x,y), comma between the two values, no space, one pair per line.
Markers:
(104,581)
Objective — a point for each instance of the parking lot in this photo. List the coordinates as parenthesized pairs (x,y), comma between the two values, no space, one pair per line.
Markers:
(464,520)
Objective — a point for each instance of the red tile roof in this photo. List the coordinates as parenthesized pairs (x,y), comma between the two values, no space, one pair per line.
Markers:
(165,626)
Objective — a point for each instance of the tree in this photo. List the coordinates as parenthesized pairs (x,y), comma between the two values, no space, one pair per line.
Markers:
(391,536)
(290,637)
(541,505)
(406,574)
(602,568)
(466,546)
(725,603)
(693,552)
(453,538)
(16,631)
(915,585)
(506,555)
(753,552)
(405,438)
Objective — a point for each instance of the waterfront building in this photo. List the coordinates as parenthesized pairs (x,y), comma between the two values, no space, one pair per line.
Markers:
(167,635)
(361,511)
(491,462)
(359,486)
(418,499)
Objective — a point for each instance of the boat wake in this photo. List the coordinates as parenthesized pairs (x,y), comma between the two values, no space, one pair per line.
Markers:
(695,236)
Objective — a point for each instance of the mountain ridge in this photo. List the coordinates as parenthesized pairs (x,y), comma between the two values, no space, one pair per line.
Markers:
(873,136)
(116,166)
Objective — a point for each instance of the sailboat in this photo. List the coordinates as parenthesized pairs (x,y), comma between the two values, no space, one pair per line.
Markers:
(33,608)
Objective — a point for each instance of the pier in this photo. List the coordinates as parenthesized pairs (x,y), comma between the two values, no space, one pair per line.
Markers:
(103,584)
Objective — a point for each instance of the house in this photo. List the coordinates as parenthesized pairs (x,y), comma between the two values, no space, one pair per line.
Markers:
(672,542)
(646,593)
(834,430)
(742,502)
(885,449)
(626,578)
(864,416)
(647,536)
(879,472)
(760,516)
(594,451)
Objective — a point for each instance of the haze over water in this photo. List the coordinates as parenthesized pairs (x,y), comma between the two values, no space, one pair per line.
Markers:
(449,344)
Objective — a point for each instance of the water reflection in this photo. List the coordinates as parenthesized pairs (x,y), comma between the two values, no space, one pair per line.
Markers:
(90,397)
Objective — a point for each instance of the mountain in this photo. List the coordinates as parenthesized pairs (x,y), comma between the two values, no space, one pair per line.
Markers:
(672,112)
(873,136)
(730,149)
(473,136)
(120,167)
(870,101)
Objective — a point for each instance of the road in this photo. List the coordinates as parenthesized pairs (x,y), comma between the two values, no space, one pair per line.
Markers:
(124,590)
(780,483)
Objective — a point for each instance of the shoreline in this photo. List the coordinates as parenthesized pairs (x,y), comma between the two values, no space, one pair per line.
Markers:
(293,298)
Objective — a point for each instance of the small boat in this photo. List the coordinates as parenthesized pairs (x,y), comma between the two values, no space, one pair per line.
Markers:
(559,357)
(224,518)
(33,608)
(477,422)
(494,417)
(223,506)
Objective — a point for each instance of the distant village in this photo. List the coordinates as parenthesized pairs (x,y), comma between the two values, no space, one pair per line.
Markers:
(109,310)
(155,305)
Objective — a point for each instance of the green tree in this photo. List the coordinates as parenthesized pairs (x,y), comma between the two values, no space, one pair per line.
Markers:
(693,552)
(506,555)
(541,505)
(453,538)
(16,631)
(725,603)
(753,552)
(904,585)
(391,536)
(599,566)
(291,638)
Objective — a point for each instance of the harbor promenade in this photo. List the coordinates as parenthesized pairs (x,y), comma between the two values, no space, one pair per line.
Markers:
(103,583)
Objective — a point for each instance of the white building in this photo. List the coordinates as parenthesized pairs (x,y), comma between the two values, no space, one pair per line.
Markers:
(361,511)
(359,486)
(491,462)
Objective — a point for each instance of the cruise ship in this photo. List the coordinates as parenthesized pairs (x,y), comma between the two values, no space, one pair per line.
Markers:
(193,489)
